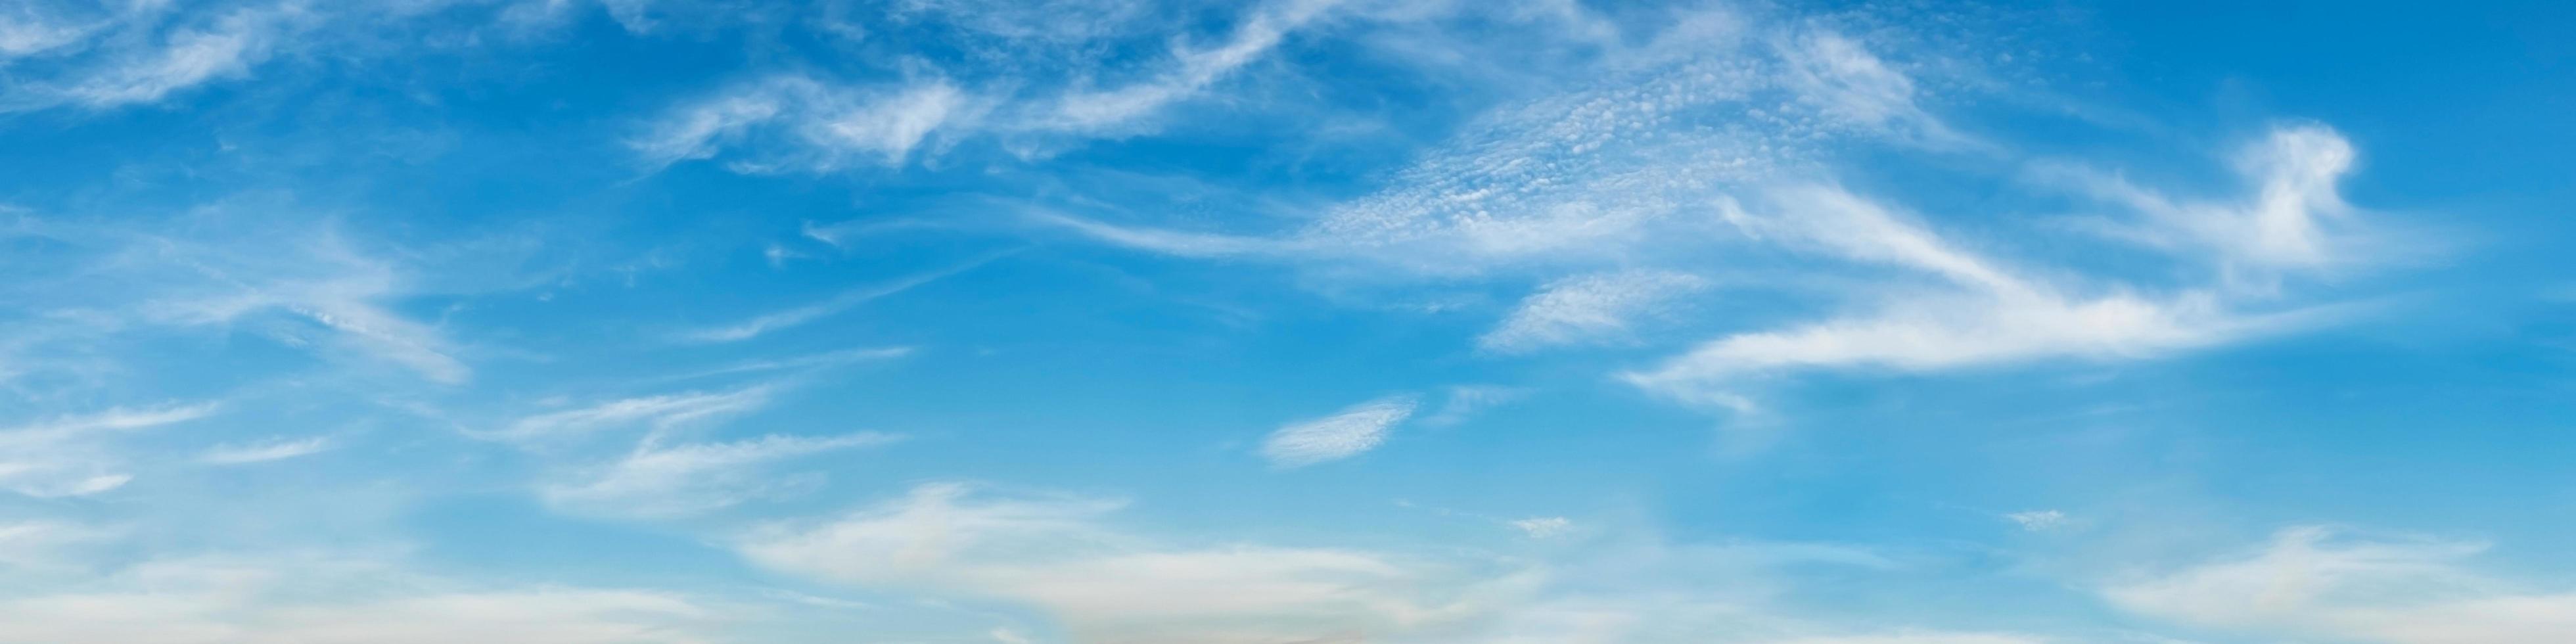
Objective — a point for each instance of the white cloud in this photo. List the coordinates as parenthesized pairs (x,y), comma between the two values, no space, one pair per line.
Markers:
(271,450)
(26,32)
(186,58)
(1848,83)
(1342,435)
(808,361)
(1587,309)
(1192,71)
(1101,583)
(42,546)
(1987,313)
(2295,218)
(1618,166)
(2038,520)
(2311,582)
(662,481)
(318,276)
(696,131)
(1465,401)
(73,455)
(846,300)
(297,281)
(1542,527)
(660,413)
(812,124)
(319,600)
(1918,638)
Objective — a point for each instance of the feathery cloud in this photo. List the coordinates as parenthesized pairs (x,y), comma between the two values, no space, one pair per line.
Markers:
(661,413)
(1344,434)
(846,300)
(671,480)
(1586,309)
(261,452)
(74,455)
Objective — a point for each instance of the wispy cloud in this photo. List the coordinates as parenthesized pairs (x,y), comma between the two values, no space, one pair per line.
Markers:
(261,452)
(316,599)
(1587,309)
(1466,401)
(1975,310)
(1061,555)
(1344,434)
(1191,71)
(805,122)
(2039,520)
(812,125)
(1618,166)
(671,480)
(846,300)
(2295,218)
(2314,582)
(185,58)
(343,296)
(74,455)
(808,361)
(661,413)
(1542,527)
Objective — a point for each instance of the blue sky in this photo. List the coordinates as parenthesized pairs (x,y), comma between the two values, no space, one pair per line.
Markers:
(1411,321)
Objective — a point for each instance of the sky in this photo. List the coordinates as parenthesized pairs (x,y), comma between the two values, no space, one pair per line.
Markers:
(1286,321)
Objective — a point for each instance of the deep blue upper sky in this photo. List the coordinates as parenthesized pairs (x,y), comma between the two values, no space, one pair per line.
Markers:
(613,321)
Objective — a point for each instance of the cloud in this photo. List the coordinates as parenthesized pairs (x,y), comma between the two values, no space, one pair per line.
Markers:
(846,300)
(1192,70)
(2295,219)
(271,450)
(1057,554)
(811,124)
(1342,435)
(1465,401)
(672,480)
(2315,582)
(72,455)
(1848,83)
(1586,309)
(804,123)
(186,58)
(45,546)
(661,413)
(1976,311)
(1542,527)
(26,31)
(2038,520)
(302,283)
(317,600)
(808,361)
(1613,165)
